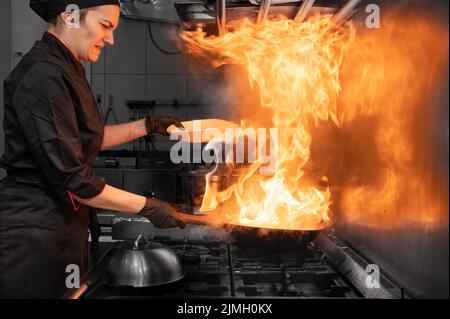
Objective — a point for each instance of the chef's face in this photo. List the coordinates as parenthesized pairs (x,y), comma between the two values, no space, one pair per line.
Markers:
(95,31)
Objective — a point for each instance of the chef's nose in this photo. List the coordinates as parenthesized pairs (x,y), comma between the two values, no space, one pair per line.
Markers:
(109,39)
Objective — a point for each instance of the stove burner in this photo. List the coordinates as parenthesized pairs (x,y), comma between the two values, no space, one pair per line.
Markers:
(190,249)
(218,268)
(191,254)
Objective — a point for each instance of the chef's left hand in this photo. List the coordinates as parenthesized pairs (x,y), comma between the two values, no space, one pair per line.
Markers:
(162,214)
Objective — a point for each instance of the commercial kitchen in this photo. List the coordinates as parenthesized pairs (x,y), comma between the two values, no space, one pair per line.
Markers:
(284,149)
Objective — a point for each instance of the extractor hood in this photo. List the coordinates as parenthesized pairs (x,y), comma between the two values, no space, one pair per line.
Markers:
(204,11)
(151,10)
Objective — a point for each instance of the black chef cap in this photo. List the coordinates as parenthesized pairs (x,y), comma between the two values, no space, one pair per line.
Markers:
(48,9)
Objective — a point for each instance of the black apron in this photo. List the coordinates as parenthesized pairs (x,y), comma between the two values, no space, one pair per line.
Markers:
(53,132)
(39,238)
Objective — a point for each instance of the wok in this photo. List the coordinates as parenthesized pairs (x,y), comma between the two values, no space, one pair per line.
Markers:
(250,237)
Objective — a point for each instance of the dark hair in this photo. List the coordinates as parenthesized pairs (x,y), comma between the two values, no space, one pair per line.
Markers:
(83,13)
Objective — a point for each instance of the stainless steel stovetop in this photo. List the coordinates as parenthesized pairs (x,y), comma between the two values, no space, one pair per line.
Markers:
(216,268)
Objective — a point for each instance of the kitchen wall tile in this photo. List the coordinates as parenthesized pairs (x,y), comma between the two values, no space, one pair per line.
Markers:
(203,88)
(98,88)
(166,87)
(159,62)
(5,37)
(2,141)
(99,66)
(122,88)
(129,51)
(5,62)
(26,28)
(201,112)
(226,93)
(197,65)
(213,95)
(179,112)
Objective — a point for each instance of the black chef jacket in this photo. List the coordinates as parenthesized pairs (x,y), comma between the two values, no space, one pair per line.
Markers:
(52,123)
(53,132)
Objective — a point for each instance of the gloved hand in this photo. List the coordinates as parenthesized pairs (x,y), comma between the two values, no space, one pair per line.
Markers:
(161,214)
(159,124)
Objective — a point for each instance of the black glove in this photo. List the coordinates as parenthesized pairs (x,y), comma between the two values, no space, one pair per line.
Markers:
(162,214)
(159,124)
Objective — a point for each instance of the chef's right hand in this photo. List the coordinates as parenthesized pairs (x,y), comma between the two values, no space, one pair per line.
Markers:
(160,124)
(162,214)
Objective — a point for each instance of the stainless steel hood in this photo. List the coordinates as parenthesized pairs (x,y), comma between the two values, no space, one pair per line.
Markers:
(203,11)
(151,10)
(164,10)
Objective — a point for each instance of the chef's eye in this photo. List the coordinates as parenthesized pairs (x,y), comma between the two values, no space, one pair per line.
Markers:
(104,26)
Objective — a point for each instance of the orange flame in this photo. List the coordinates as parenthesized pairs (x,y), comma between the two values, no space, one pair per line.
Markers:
(296,69)
(390,79)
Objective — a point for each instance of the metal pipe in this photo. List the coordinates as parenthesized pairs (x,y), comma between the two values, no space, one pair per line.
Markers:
(303,11)
(221,9)
(345,11)
(264,7)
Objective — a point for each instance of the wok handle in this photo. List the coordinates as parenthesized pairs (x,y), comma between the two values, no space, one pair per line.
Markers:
(90,280)
(206,220)
(138,240)
(78,292)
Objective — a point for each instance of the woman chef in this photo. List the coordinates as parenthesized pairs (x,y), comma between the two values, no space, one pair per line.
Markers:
(53,132)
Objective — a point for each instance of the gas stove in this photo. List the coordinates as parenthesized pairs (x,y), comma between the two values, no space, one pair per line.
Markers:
(219,268)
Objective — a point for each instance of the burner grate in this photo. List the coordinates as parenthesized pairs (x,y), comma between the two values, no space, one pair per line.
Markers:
(216,268)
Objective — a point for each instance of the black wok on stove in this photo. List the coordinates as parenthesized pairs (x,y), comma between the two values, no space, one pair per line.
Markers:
(269,239)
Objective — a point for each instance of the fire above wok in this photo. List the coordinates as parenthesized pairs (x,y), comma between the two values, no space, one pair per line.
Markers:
(295,65)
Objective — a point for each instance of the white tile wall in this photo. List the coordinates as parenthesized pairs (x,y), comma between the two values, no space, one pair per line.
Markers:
(197,65)
(5,61)
(98,88)
(179,112)
(128,55)
(99,66)
(5,36)
(204,88)
(211,92)
(2,144)
(159,62)
(166,87)
(135,69)
(26,28)
(122,87)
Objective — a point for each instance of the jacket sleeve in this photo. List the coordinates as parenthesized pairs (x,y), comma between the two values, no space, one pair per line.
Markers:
(47,115)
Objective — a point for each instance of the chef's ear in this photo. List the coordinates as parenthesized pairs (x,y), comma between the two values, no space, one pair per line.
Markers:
(71,17)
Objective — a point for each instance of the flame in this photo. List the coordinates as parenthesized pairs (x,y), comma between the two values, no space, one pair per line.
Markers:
(389,80)
(296,70)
